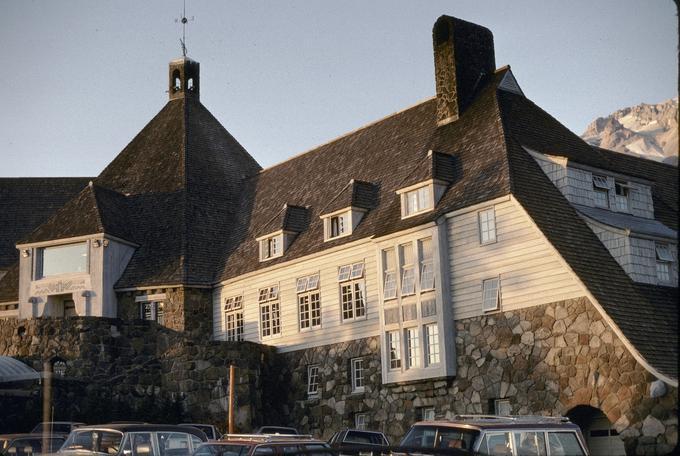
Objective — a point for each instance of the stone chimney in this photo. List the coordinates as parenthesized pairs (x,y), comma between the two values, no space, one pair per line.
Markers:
(183,78)
(463,55)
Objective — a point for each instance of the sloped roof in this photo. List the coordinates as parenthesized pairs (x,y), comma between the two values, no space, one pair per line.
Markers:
(25,203)
(356,194)
(635,309)
(384,154)
(13,370)
(637,225)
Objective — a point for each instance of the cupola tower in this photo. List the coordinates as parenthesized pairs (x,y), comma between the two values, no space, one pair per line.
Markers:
(183,78)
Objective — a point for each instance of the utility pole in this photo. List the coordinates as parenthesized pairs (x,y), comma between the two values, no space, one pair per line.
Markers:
(231,399)
(47,404)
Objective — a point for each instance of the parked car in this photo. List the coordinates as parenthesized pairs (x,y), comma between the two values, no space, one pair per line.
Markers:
(56,427)
(133,440)
(29,444)
(277,430)
(210,431)
(353,440)
(499,435)
(265,444)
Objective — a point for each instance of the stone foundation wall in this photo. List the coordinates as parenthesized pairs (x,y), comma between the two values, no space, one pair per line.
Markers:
(546,359)
(118,370)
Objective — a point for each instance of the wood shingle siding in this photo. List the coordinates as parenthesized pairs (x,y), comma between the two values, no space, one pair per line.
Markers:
(530,273)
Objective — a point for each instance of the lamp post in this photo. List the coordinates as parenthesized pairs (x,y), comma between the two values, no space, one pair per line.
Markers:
(47,403)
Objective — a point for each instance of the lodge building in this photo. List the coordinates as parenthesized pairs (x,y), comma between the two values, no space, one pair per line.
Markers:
(468,254)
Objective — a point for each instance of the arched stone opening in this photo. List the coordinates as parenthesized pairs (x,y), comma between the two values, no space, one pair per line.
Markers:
(601,437)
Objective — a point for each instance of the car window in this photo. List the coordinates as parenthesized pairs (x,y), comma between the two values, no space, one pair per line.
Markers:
(109,442)
(564,444)
(263,450)
(138,444)
(173,443)
(205,450)
(24,447)
(317,449)
(530,443)
(497,444)
(420,437)
(81,440)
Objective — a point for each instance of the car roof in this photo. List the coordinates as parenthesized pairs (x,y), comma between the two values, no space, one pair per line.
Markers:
(56,435)
(146,427)
(496,423)
(254,441)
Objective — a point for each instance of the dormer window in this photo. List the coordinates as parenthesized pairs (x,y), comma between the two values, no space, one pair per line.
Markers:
(622,193)
(341,223)
(271,246)
(664,262)
(601,191)
(420,198)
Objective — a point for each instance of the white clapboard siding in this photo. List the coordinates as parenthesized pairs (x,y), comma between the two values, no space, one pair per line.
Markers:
(332,330)
(531,272)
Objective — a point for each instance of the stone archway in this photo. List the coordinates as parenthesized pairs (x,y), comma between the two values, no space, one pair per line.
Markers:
(601,437)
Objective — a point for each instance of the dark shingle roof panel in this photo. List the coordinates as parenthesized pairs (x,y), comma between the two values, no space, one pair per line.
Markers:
(25,203)
(9,284)
(636,225)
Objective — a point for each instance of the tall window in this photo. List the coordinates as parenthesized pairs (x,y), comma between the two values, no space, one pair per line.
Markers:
(601,191)
(338,225)
(313,380)
(415,201)
(664,262)
(432,344)
(490,294)
(408,273)
(271,247)
(394,348)
(390,278)
(357,366)
(487,226)
(622,192)
(270,311)
(309,302)
(152,311)
(412,348)
(233,318)
(426,265)
(352,291)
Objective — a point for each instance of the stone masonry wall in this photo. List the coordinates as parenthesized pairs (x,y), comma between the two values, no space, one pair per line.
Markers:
(546,359)
(138,370)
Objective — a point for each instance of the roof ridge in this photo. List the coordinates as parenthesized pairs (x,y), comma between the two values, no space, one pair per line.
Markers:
(349,133)
(97,208)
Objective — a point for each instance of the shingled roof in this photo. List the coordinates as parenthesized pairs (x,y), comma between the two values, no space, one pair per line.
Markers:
(25,203)
(643,313)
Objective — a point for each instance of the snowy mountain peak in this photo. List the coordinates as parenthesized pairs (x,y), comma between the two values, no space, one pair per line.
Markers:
(646,130)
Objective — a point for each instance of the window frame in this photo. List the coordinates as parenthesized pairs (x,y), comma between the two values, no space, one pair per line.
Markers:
(269,300)
(425,262)
(421,198)
(357,375)
(395,362)
(413,347)
(626,190)
(497,307)
(491,226)
(389,274)
(234,323)
(153,311)
(40,260)
(600,187)
(361,421)
(408,270)
(664,262)
(352,276)
(310,383)
(428,344)
(265,244)
(339,224)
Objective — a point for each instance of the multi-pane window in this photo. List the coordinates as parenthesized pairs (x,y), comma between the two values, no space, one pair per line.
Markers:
(408,273)
(390,275)
(490,294)
(360,421)
(432,344)
(601,191)
(233,318)
(152,311)
(270,311)
(271,247)
(412,348)
(426,264)
(357,366)
(394,348)
(418,200)
(622,192)
(664,261)
(338,225)
(427,414)
(309,302)
(313,380)
(352,297)
(487,226)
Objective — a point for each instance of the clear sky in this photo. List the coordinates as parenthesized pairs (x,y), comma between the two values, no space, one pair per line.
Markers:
(81,78)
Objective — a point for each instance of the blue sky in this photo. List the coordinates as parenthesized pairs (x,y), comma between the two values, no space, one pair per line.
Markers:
(82,77)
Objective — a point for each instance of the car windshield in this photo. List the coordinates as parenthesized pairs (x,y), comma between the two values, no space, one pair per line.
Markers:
(367,438)
(431,436)
(106,442)
(222,450)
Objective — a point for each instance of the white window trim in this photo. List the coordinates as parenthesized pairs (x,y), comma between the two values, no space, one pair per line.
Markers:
(38,266)
(404,267)
(263,239)
(155,305)
(427,346)
(422,261)
(273,297)
(350,213)
(415,361)
(403,192)
(310,393)
(498,294)
(360,421)
(353,363)
(308,295)
(399,358)
(352,284)
(493,240)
